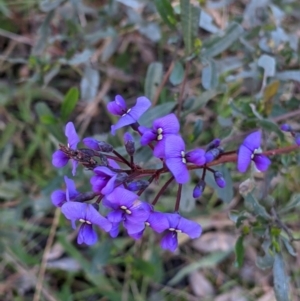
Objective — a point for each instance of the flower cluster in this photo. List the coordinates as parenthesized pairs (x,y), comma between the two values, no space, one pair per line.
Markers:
(117,183)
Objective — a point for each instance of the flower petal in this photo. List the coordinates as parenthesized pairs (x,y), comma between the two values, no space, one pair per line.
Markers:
(252,141)
(104,171)
(122,197)
(87,235)
(147,137)
(160,147)
(261,162)
(169,241)
(114,232)
(133,227)
(244,158)
(118,106)
(141,106)
(158,221)
(173,219)
(110,185)
(196,156)
(174,146)
(71,191)
(192,229)
(93,216)
(58,198)
(59,159)
(123,121)
(74,166)
(137,235)
(74,210)
(116,216)
(178,169)
(168,123)
(72,136)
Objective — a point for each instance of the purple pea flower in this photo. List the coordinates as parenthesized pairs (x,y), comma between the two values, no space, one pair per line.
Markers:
(297,138)
(126,208)
(250,150)
(103,182)
(128,116)
(59,158)
(179,224)
(88,216)
(161,129)
(286,127)
(59,197)
(176,158)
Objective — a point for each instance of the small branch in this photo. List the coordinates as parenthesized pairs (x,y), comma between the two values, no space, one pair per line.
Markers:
(162,190)
(178,197)
(124,160)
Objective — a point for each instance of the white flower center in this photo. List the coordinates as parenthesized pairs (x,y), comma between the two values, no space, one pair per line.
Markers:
(171,229)
(147,224)
(256,151)
(126,112)
(183,157)
(159,132)
(159,137)
(125,209)
(128,211)
(178,231)
(85,221)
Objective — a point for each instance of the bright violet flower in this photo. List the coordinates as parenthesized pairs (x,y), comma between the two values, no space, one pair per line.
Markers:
(88,216)
(59,158)
(179,224)
(128,115)
(104,180)
(176,158)
(297,138)
(97,145)
(161,129)
(127,209)
(250,150)
(59,197)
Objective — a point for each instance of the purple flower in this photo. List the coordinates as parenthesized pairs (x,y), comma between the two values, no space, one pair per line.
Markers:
(179,224)
(297,138)
(88,216)
(129,144)
(128,116)
(97,145)
(59,158)
(161,129)
(250,150)
(127,209)
(59,197)
(103,182)
(286,127)
(176,158)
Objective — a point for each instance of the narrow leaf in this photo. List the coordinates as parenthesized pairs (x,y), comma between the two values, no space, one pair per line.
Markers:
(153,79)
(210,75)
(281,288)
(177,74)
(239,252)
(69,103)
(166,12)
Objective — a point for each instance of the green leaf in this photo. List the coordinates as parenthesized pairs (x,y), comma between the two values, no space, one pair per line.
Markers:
(208,261)
(292,203)
(281,287)
(165,9)
(69,103)
(177,74)
(266,261)
(239,252)
(153,79)
(253,205)
(272,127)
(288,246)
(210,75)
(190,16)
(220,43)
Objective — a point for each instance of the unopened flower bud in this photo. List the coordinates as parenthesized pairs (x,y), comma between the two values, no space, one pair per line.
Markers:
(199,188)
(97,145)
(213,144)
(137,185)
(121,177)
(129,144)
(219,179)
(286,127)
(213,154)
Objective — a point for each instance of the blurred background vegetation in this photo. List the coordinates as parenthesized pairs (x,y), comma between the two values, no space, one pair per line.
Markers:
(236,66)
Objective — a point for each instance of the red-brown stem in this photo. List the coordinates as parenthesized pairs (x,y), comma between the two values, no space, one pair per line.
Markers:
(150,181)
(178,197)
(180,99)
(124,160)
(162,190)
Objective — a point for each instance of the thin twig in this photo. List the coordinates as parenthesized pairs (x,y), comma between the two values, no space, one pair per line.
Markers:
(178,197)
(162,190)
(124,160)
(49,243)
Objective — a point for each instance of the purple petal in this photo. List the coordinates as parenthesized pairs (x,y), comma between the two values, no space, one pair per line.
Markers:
(91,143)
(141,106)
(244,158)
(137,235)
(128,137)
(168,123)
(261,162)
(74,166)
(109,204)
(297,138)
(93,216)
(147,137)
(116,216)
(286,127)
(98,183)
(122,197)
(174,146)
(120,101)
(123,121)
(169,241)
(178,169)
(71,191)
(192,229)
(87,235)
(252,141)
(196,156)
(59,159)
(112,163)
(133,227)
(139,212)
(160,147)
(110,185)
(173,219)
(74,210)
(58,198)
(158,221)
(118,106)
(72,136)
(114,232)
(142,129)
(104,171)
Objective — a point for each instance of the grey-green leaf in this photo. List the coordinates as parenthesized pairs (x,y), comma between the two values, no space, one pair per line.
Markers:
(210,75)
(177,74)
(281,287)
(69,103)
(153,79)
(166,12)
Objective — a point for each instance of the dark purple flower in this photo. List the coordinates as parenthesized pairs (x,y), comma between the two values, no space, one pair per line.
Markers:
(59,158)
(127,209)
(219,179)
(250,150)
(97,145)
(176,158)
(103,182)
(88,216)
(59,197)
(161,129)
(286,128)
(213,144)
(129,144)
(179,224)
(128,116)
(213,154)
(199,188)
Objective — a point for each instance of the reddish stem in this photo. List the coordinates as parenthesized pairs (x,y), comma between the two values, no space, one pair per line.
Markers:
(178,197)
(124,160)
(162,190)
